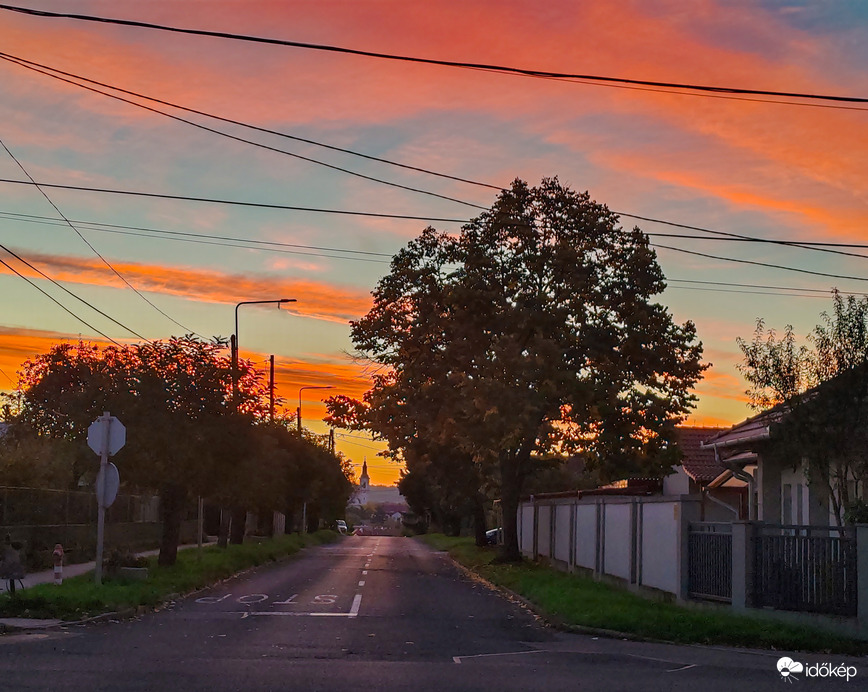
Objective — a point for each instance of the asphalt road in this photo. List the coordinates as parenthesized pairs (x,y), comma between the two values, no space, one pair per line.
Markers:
(370,613)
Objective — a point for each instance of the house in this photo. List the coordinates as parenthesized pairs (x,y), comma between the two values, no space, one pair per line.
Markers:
(697,474)
(778,491)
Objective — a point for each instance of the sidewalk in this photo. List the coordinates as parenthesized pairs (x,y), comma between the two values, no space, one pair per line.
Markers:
(47,577)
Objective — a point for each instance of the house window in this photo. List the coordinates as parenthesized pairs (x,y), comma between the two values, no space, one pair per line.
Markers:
(786,503)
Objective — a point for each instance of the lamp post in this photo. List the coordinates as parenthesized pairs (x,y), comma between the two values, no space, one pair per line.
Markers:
(298,412)
(239,513)
(234,344)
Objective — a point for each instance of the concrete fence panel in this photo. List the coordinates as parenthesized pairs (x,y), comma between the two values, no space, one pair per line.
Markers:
(618,540)
(525,516)
(659,545)
(544,530)
(586,535)
(562,533)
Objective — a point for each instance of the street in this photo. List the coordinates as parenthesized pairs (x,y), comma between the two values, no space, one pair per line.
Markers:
(371,613)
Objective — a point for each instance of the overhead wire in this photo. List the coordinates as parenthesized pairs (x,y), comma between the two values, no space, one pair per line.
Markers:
(524,72)
(257,128)
(211,200)
(71,293)
(90,245)
(57,302)
(19,61)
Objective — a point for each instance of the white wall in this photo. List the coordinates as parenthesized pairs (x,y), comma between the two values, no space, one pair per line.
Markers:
(660,526)
(586,535)
(677,483)
(618,540)
(562,533)
(525,545)
(544,530)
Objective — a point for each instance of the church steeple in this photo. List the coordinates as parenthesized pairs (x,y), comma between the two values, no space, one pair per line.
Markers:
(364,480)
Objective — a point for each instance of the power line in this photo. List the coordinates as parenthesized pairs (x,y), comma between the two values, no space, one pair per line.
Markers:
(57,302)
(206,238)
(760,264)
(209,200)
(243,140)
(545,74)
(295,138)
(776,288)
(88,243)
(66,290)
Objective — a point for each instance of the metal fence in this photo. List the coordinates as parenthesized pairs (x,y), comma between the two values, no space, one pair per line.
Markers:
(709,557)
(42,506)
(805,568)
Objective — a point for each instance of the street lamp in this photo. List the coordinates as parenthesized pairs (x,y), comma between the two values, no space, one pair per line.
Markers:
(234,344)
(298,413)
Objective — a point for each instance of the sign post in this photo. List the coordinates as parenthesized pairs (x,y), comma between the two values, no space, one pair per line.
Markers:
(105,436)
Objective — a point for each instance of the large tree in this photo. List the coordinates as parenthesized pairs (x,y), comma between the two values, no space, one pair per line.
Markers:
(819,396)
(174,399)
(533,330)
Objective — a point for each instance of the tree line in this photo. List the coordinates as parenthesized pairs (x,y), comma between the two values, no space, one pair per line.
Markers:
(188,434)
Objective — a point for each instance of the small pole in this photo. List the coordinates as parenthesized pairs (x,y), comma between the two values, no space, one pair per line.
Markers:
(100,499)
(201,519)
(58,564)
(271,388)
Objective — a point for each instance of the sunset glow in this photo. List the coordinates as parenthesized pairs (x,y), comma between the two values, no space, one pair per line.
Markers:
(736,165)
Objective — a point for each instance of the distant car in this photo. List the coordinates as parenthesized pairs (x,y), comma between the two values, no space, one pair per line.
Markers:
(492,537)
(342,527)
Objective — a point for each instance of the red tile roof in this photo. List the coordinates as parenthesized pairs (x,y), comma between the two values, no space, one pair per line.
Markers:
(699,463)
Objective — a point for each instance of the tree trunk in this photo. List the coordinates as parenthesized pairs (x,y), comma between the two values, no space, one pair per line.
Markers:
(223,535)
(510,488)
(479,521)
(172,501)
(239,525)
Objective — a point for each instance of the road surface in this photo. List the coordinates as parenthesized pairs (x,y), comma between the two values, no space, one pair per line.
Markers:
(370,613)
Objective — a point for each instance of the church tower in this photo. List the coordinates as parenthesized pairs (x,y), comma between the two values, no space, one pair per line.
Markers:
(364,483)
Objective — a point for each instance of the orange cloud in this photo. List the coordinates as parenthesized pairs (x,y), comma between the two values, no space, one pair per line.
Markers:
(316,299)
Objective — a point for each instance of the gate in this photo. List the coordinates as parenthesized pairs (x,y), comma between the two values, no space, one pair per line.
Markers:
(709,556)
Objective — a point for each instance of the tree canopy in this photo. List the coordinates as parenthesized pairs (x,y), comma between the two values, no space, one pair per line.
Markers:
(819,392)
(530,332)
(185,434)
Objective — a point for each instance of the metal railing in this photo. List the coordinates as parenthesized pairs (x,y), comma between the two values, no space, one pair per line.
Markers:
(709,557)
(805,568)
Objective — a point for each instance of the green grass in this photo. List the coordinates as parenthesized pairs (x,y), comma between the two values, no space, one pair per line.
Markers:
(583,602)
(80,597)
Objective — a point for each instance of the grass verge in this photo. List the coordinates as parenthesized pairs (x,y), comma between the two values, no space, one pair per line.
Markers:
(583,602)
(80,597)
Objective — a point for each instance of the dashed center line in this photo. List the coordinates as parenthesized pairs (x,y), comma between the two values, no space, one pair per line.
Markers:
(362,583)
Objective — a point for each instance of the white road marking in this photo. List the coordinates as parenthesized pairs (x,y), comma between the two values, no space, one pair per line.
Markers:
(362,583)
(253,598)
(212,599)
(457,659)
(357,601)
(288,601)
(675,670)
(364,571)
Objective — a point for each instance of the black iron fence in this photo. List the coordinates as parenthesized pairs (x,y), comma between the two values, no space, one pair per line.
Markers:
(805,568)
(709,557)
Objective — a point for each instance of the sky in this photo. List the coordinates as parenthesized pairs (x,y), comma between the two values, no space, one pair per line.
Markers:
(766,170)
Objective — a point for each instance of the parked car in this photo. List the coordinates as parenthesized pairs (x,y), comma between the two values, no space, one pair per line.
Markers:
(492,537)
(342,527)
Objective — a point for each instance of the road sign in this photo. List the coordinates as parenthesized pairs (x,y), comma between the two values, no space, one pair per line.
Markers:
(96,435)
(107,484)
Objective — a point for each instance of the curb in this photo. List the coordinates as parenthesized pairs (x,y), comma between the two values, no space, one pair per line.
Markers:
(551,620)
(133,612)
